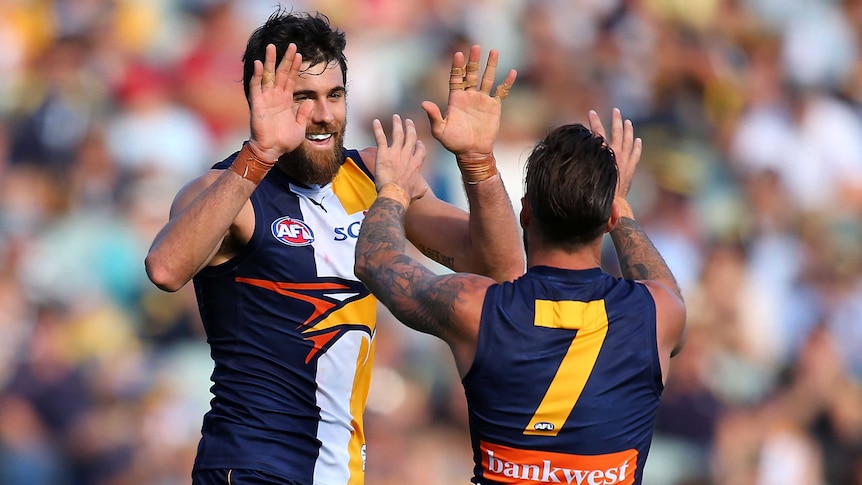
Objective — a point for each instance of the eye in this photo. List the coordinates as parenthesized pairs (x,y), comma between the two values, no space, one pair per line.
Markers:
(300,97)
(336,95)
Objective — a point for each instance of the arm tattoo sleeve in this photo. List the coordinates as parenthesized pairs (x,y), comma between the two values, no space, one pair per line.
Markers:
(415,295)
(639,259)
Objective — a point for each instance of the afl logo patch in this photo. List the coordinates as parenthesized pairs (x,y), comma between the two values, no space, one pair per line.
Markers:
(292,232)
(543,426)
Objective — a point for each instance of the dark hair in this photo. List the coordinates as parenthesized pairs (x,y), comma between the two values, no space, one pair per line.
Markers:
(570,185)
(312,33)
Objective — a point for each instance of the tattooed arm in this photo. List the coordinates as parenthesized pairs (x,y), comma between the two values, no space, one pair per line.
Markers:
(639,259)
(447,306)
(488,241)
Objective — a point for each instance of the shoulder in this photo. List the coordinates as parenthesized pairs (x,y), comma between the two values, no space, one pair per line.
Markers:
(666,300)
(462,297)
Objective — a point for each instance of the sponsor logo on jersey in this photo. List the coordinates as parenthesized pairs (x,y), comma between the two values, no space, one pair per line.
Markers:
(349,232)
(292,232)
(503,464)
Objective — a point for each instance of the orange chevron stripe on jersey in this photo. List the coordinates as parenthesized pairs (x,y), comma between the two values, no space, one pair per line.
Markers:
(292,290)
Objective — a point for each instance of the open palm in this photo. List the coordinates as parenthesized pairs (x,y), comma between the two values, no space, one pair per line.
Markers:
(471,122)
(277,127)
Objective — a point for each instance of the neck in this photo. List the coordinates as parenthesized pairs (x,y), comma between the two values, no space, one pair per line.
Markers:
(585,257)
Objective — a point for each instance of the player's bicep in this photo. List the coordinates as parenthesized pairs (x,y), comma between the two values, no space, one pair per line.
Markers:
(236,235)
(189,192)
(447,306)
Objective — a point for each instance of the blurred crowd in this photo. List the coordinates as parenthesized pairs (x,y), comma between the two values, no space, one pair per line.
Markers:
(750,185)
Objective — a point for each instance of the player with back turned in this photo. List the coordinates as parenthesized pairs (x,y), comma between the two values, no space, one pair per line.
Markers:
(563,369)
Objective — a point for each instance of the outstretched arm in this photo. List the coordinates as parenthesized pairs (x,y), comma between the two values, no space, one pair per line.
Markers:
(639,259)
(487,242)
(212,215)
(447,306)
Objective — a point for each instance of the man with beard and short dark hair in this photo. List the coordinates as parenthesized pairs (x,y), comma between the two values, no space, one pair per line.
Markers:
(268,237)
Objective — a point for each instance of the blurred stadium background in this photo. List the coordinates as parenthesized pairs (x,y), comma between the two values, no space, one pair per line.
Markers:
(750,185)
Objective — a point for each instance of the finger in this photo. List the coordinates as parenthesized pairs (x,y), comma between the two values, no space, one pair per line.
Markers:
(420,151)
(628,138)
(616,130)
(288,81)
(422,189)
(303,112)
(490,72)
(397,133)
(637,149)
(379,134)
(627,166)
(471,72)
(503,89)
(409,138)
(456,74)
(255,81)
(420,186)
(288,68)
(435,116)
(269,65)
(596,124)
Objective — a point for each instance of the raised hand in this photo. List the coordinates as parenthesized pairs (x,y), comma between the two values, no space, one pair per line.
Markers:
(627,149)
(471,123)
(401,162)
(277,126)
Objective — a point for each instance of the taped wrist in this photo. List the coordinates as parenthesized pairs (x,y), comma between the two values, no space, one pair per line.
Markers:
(393,191)
(475,171)
(248,166)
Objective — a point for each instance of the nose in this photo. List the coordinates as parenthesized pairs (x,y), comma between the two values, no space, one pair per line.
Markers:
(322,114)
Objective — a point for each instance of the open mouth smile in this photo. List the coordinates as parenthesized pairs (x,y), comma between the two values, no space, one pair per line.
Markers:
(318,138)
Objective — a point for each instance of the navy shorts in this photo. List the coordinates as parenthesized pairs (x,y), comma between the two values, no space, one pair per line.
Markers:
(238,477)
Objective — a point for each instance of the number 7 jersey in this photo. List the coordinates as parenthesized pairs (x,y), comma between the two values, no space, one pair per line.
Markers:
(566,380)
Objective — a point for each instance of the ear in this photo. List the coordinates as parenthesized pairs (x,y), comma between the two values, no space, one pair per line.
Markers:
(525,214)
(615,217)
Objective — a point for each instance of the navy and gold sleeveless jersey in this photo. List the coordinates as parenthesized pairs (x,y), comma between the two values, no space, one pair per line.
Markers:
(291,331)
(566,380)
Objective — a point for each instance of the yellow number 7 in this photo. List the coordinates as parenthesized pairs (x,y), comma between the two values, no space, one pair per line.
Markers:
(591,321)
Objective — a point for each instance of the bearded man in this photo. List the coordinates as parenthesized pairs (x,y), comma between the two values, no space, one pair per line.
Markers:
(268,236)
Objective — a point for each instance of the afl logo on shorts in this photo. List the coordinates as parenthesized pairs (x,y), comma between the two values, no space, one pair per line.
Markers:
(292,232)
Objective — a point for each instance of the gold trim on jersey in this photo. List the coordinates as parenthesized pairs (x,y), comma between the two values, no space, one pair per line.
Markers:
(354,189)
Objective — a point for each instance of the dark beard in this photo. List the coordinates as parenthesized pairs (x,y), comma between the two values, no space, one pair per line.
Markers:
(310,167)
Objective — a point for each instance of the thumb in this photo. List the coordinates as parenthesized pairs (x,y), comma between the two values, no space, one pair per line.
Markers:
(303,113)
(435,117)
